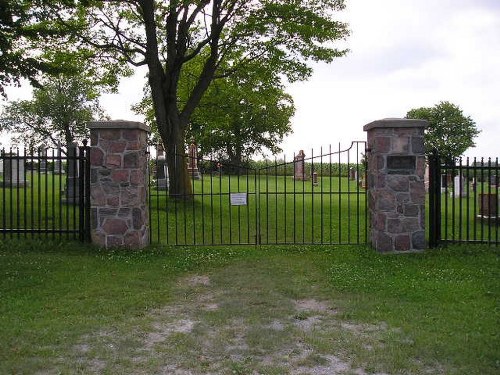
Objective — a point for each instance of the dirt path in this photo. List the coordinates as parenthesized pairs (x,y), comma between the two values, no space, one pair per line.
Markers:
(248,318)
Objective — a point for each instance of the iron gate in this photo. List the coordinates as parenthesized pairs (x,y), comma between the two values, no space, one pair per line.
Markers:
(464,201)
(45,193)
(266,202)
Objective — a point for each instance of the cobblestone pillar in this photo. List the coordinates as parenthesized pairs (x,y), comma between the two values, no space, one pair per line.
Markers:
(118,184)
(396,190)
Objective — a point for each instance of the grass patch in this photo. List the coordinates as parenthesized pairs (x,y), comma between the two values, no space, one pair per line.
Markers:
(69,308)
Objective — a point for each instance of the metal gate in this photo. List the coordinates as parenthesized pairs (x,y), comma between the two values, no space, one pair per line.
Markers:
(310,199)
(464,201)
(45,193)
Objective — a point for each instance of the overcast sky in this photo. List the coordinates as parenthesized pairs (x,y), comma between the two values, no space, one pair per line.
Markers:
(403,54)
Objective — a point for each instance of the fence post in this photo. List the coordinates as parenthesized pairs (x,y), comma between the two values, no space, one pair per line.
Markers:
(434,200)
(118,184)
(396,190)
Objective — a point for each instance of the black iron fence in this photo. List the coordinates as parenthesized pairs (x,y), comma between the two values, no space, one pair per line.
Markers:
(310,199)
(464,201)
(45,192)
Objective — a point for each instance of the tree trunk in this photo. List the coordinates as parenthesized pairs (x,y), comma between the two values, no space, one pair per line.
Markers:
(180,185)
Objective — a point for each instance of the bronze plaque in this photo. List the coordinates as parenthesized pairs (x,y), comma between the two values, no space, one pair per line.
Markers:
(401,164)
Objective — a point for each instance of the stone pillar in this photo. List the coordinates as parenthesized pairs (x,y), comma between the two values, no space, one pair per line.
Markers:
(396,190)
(118,184)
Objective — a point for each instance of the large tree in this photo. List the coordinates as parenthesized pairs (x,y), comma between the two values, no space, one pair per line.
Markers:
(58,112)
(450,132)
(241,116)
(225,35)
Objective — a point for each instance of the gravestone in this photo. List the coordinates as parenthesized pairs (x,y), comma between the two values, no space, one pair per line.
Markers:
(299,172)
(162,180)
(72,188)
(43,160)
(13,171)
(58,166)
(353,174)
(459,186)
(488,206)
(315,179)
(494,181)
(193,162)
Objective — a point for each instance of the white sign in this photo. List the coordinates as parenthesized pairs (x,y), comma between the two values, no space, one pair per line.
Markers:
(238,199)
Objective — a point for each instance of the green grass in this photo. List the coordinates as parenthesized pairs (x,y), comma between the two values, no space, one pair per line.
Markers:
(69,308)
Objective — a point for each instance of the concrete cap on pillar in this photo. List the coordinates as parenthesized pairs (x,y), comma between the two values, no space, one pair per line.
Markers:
(396,123)
(118,124)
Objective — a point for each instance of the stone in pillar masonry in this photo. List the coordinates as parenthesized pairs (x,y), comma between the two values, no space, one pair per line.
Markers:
(193,162)
(162,180)
(396,190)
(118,184)
(72,187)
(13,171)
(299,172)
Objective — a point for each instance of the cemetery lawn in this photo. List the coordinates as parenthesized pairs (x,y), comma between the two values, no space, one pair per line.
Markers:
(71,308)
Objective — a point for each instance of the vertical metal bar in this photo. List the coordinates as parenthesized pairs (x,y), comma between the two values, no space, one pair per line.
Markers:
(447,171)
(474,202)
(25,192)
(481,195)
(18,193)
(193,201)
(285,179)
(4,204)
(490,211)
(460,205)
(238,175)
(81,191)
(349,197)
(203,204)
(312,195)
(294,201)
(276,199)
(339,192)
(330,196)
(32,195)
(357,194)
(321,193)
(497,183)
(220,204)
(467,202)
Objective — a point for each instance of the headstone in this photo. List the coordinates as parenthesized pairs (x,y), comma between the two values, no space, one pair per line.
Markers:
(43,160)
(494,181)
(1,167)
(459,187)
(299,172)
(353,174)
(72,188)
(162,180)
(193,162)
(488,206)
(13,171)
(315,179)
(58,166)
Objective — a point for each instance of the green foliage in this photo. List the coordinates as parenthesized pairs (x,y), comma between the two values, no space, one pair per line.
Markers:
(449,131)
(58,113)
